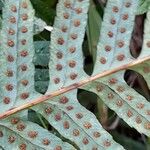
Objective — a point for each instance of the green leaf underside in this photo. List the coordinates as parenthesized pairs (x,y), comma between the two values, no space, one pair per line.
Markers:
(125,101)
(76,123)
(66,44)
(17,84)
(16,54)
(64,112)
(17,26)
(117,26)
(65,119)
(28,135)
(113,90)
(59,116)
(120,103)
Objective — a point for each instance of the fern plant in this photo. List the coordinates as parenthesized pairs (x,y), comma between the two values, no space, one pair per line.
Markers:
(60,106)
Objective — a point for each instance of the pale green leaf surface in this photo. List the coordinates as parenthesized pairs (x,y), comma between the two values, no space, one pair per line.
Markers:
(17,136)
(114,95)
(67,36)
(12,136)
(117,26)
(39,24)
(69,118)
(121,98)
(12,56)
(76,124)
(65,115)
(124,100)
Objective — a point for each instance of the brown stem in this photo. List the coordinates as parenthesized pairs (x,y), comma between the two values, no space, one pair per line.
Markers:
(71,87)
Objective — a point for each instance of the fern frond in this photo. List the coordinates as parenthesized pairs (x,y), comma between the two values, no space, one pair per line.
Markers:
(125,101)
(18,134)
(66,58)
(66,73)
(113,90)
(16,54)
(66,67)
(113,47)
(85,79)
(76,123)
